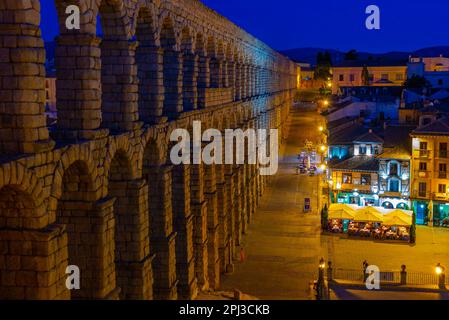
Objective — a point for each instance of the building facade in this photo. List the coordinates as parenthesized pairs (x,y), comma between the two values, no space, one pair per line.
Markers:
(349,74)
(430,179)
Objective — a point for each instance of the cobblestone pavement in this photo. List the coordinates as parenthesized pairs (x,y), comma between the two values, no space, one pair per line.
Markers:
(283,244)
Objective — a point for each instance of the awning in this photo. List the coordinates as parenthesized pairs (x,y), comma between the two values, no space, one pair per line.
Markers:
(397,221)
(368,214)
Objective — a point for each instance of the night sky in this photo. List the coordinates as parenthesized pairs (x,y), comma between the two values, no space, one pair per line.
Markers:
(338,24)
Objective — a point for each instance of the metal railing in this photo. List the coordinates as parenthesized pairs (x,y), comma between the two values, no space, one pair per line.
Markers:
(389,277)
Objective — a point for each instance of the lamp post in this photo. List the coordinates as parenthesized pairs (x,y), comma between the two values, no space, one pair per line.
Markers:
(440,271)
(320,286)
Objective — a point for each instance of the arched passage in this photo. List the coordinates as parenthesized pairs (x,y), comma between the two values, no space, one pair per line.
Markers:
(189,72)
(149,59)
(28,267)
(162,235)
(119,84)
(172,70)
(132,248)
(90,229)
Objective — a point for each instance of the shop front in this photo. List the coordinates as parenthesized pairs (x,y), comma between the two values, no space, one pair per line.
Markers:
(440,214)
(395,203)
(358,198)
(421,209)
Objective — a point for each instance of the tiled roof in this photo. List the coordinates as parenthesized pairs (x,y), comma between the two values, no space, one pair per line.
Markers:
(397,142)
(437,127)
(369,137)
(357,163)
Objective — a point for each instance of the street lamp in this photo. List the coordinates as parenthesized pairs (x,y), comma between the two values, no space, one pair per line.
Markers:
(439,270)
(321,128)
(323,148)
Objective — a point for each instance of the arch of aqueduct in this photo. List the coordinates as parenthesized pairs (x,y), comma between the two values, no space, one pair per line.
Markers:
(98,190)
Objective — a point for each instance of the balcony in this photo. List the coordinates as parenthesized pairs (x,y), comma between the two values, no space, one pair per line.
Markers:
(440,196)
(359,187)
(422,153)
(420,194)
(441,175)
(442,154)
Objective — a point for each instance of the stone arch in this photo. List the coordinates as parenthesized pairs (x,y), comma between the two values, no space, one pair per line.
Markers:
(215,67)
(189,71)
(172,66)
(158,176)
(149,60)
(203,79)
(27,260)
(119,84)
(90,228)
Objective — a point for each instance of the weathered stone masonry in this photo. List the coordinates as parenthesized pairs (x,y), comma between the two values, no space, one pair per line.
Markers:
(98,190)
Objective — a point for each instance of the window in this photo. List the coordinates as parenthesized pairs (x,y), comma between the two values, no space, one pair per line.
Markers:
(393,169)
(442,171)
(423,166)
(443,150)
(423,145)
(347,178)
(394,185)
(365,179)
(384,76)
(423,149)
(362,149)
(441,188)
(440,82)
(376,149)
(341,77)
(422,189)
(399,77)
(351,77)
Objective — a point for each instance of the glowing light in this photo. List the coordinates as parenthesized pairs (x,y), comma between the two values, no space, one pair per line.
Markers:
(376,197)
(323,167)
(422,206)
(404,176)
(320,128)
(438,269)
(326,103)
(322,148)
(338,186)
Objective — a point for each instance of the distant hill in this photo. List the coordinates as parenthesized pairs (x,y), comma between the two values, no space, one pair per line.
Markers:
(308,55)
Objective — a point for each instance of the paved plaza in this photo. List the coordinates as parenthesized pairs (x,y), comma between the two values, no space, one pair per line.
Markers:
(283,244)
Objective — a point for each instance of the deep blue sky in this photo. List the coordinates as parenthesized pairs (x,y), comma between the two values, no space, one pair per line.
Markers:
(339,24)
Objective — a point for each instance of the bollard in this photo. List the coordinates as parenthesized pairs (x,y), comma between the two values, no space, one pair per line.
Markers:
(403,275)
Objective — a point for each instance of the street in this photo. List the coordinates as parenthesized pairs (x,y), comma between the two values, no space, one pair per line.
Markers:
(283,245)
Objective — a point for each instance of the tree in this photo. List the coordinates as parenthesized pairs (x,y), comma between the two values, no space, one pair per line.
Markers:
(365,76)
(324,217)
(351,55)
(416,82)
(413,228)
(323,66)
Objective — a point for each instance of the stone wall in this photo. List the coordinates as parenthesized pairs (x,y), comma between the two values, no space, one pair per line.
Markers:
(98,190)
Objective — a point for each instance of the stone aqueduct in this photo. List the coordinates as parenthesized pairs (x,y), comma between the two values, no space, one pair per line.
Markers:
(97,190)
